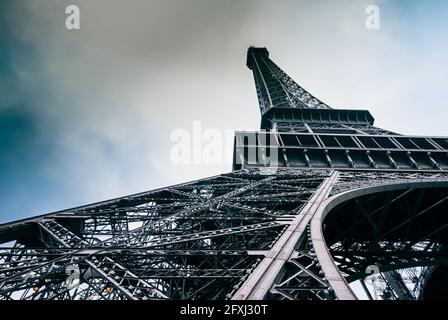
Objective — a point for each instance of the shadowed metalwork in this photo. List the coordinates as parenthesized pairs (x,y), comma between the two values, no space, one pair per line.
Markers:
(302,215)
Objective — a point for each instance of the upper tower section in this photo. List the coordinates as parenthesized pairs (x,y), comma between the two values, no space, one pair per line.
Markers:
(275,89)
(285,105)
(299,130)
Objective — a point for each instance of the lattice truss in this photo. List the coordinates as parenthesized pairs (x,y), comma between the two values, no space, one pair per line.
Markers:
(402,232)
(276,88)
(198,240)
(365,233)
(202,240)
(302,278)
(247,234)
(349,180)
(337,128)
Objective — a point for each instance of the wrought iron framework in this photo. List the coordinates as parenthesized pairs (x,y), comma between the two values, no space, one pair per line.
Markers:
(299,217)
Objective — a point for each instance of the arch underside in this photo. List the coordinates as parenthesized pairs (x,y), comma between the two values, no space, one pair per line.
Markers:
(400,235)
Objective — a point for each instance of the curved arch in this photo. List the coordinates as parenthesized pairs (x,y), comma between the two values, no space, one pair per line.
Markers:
(393,267)
(339,284)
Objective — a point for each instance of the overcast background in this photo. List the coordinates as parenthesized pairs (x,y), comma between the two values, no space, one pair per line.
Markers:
(87,115)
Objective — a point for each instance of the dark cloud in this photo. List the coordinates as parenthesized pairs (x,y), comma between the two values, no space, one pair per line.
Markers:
(102,101)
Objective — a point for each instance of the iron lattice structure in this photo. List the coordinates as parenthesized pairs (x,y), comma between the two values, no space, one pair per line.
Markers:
(316,199)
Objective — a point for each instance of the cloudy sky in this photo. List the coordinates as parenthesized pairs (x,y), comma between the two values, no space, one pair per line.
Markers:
(87,115)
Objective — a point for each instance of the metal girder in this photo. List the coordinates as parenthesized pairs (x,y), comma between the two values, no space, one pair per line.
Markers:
(260,231)
(113,273)
(144,269)
(264,277)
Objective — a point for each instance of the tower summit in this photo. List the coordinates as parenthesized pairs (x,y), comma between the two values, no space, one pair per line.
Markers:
(275,89)
(309,133)
(318,200)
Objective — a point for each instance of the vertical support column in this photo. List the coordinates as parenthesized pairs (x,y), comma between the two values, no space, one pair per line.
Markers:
(263,277)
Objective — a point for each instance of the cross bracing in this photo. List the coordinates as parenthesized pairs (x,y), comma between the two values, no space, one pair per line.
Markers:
(316,198)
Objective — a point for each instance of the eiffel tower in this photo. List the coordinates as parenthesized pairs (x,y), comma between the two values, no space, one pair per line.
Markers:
(320,204)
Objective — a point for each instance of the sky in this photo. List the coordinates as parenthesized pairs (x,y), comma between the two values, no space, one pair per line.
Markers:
(88,115)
